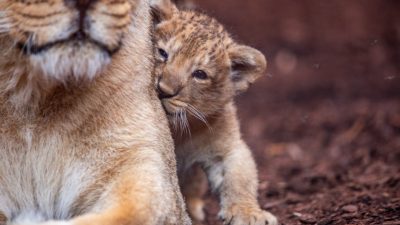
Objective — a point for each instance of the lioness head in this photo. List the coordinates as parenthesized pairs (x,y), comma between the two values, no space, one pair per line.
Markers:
(199,67)
(62,38)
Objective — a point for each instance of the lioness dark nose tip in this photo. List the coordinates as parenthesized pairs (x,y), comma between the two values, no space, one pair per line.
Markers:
(81,5)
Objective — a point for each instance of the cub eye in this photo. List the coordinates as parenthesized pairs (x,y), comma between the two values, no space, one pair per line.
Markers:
(163,54)
(200,74)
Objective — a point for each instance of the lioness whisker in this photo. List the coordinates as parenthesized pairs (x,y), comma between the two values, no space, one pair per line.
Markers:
(12,46)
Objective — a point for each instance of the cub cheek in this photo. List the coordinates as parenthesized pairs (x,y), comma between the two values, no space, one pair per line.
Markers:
(156,79)
(159,72)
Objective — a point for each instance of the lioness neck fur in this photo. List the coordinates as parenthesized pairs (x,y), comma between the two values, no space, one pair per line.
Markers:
(83,138)
(199,70)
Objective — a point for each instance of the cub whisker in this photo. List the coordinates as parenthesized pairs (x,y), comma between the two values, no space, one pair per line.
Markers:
(186,123)
(199,115)
(175,121)
(181,123)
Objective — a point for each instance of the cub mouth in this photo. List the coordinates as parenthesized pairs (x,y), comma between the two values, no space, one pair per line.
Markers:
(76,38)
(172,108)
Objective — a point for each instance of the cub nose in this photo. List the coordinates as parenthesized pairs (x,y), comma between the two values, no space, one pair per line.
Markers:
(166,91)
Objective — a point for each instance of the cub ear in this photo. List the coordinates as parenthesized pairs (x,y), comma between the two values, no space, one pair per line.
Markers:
(162,10)
(247,64)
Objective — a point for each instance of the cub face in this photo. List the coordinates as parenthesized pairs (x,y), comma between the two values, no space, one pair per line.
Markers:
(199,68)
(59,38)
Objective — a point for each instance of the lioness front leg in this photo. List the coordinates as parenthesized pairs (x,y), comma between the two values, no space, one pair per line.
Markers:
(234,177)
(141,194)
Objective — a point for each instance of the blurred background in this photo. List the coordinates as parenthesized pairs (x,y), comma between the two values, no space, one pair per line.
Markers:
(324,121)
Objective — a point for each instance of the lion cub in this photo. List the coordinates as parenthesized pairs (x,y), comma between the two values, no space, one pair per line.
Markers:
(199,70)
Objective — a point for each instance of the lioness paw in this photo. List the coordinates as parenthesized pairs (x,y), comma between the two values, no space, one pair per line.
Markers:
(247,216)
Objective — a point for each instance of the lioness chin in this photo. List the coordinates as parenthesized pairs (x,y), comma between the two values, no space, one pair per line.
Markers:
(82,140)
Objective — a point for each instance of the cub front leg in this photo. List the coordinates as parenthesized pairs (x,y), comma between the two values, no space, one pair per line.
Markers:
(234,177)
(194,186)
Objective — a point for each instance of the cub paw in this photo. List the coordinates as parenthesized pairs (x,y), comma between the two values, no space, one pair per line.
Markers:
(196,209)
(247,216)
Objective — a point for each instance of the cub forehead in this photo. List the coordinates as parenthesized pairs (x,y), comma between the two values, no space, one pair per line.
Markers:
(193,26)
(194,35)
(192,23)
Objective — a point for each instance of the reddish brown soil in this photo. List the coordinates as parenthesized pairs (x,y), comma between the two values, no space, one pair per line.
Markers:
(324,123)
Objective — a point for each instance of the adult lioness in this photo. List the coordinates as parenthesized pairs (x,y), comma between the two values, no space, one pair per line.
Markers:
(82,141)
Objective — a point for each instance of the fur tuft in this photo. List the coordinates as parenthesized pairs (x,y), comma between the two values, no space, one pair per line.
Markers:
(60,65)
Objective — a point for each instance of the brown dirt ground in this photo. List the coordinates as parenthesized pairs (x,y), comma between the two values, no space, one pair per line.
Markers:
(324,123)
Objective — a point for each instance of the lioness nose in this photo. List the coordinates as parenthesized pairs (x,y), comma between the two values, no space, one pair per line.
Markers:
(81,5)
(166,91)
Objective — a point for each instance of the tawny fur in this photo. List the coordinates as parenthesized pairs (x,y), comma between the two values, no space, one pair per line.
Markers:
(83,140)
(202,112)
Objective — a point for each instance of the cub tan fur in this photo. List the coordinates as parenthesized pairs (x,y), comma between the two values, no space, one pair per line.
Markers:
(199,70)
(83,137)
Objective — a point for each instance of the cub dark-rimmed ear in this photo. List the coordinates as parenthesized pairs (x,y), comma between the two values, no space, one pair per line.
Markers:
(162,10)
(247,65)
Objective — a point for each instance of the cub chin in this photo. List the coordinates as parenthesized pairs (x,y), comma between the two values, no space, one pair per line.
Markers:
(199,70)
